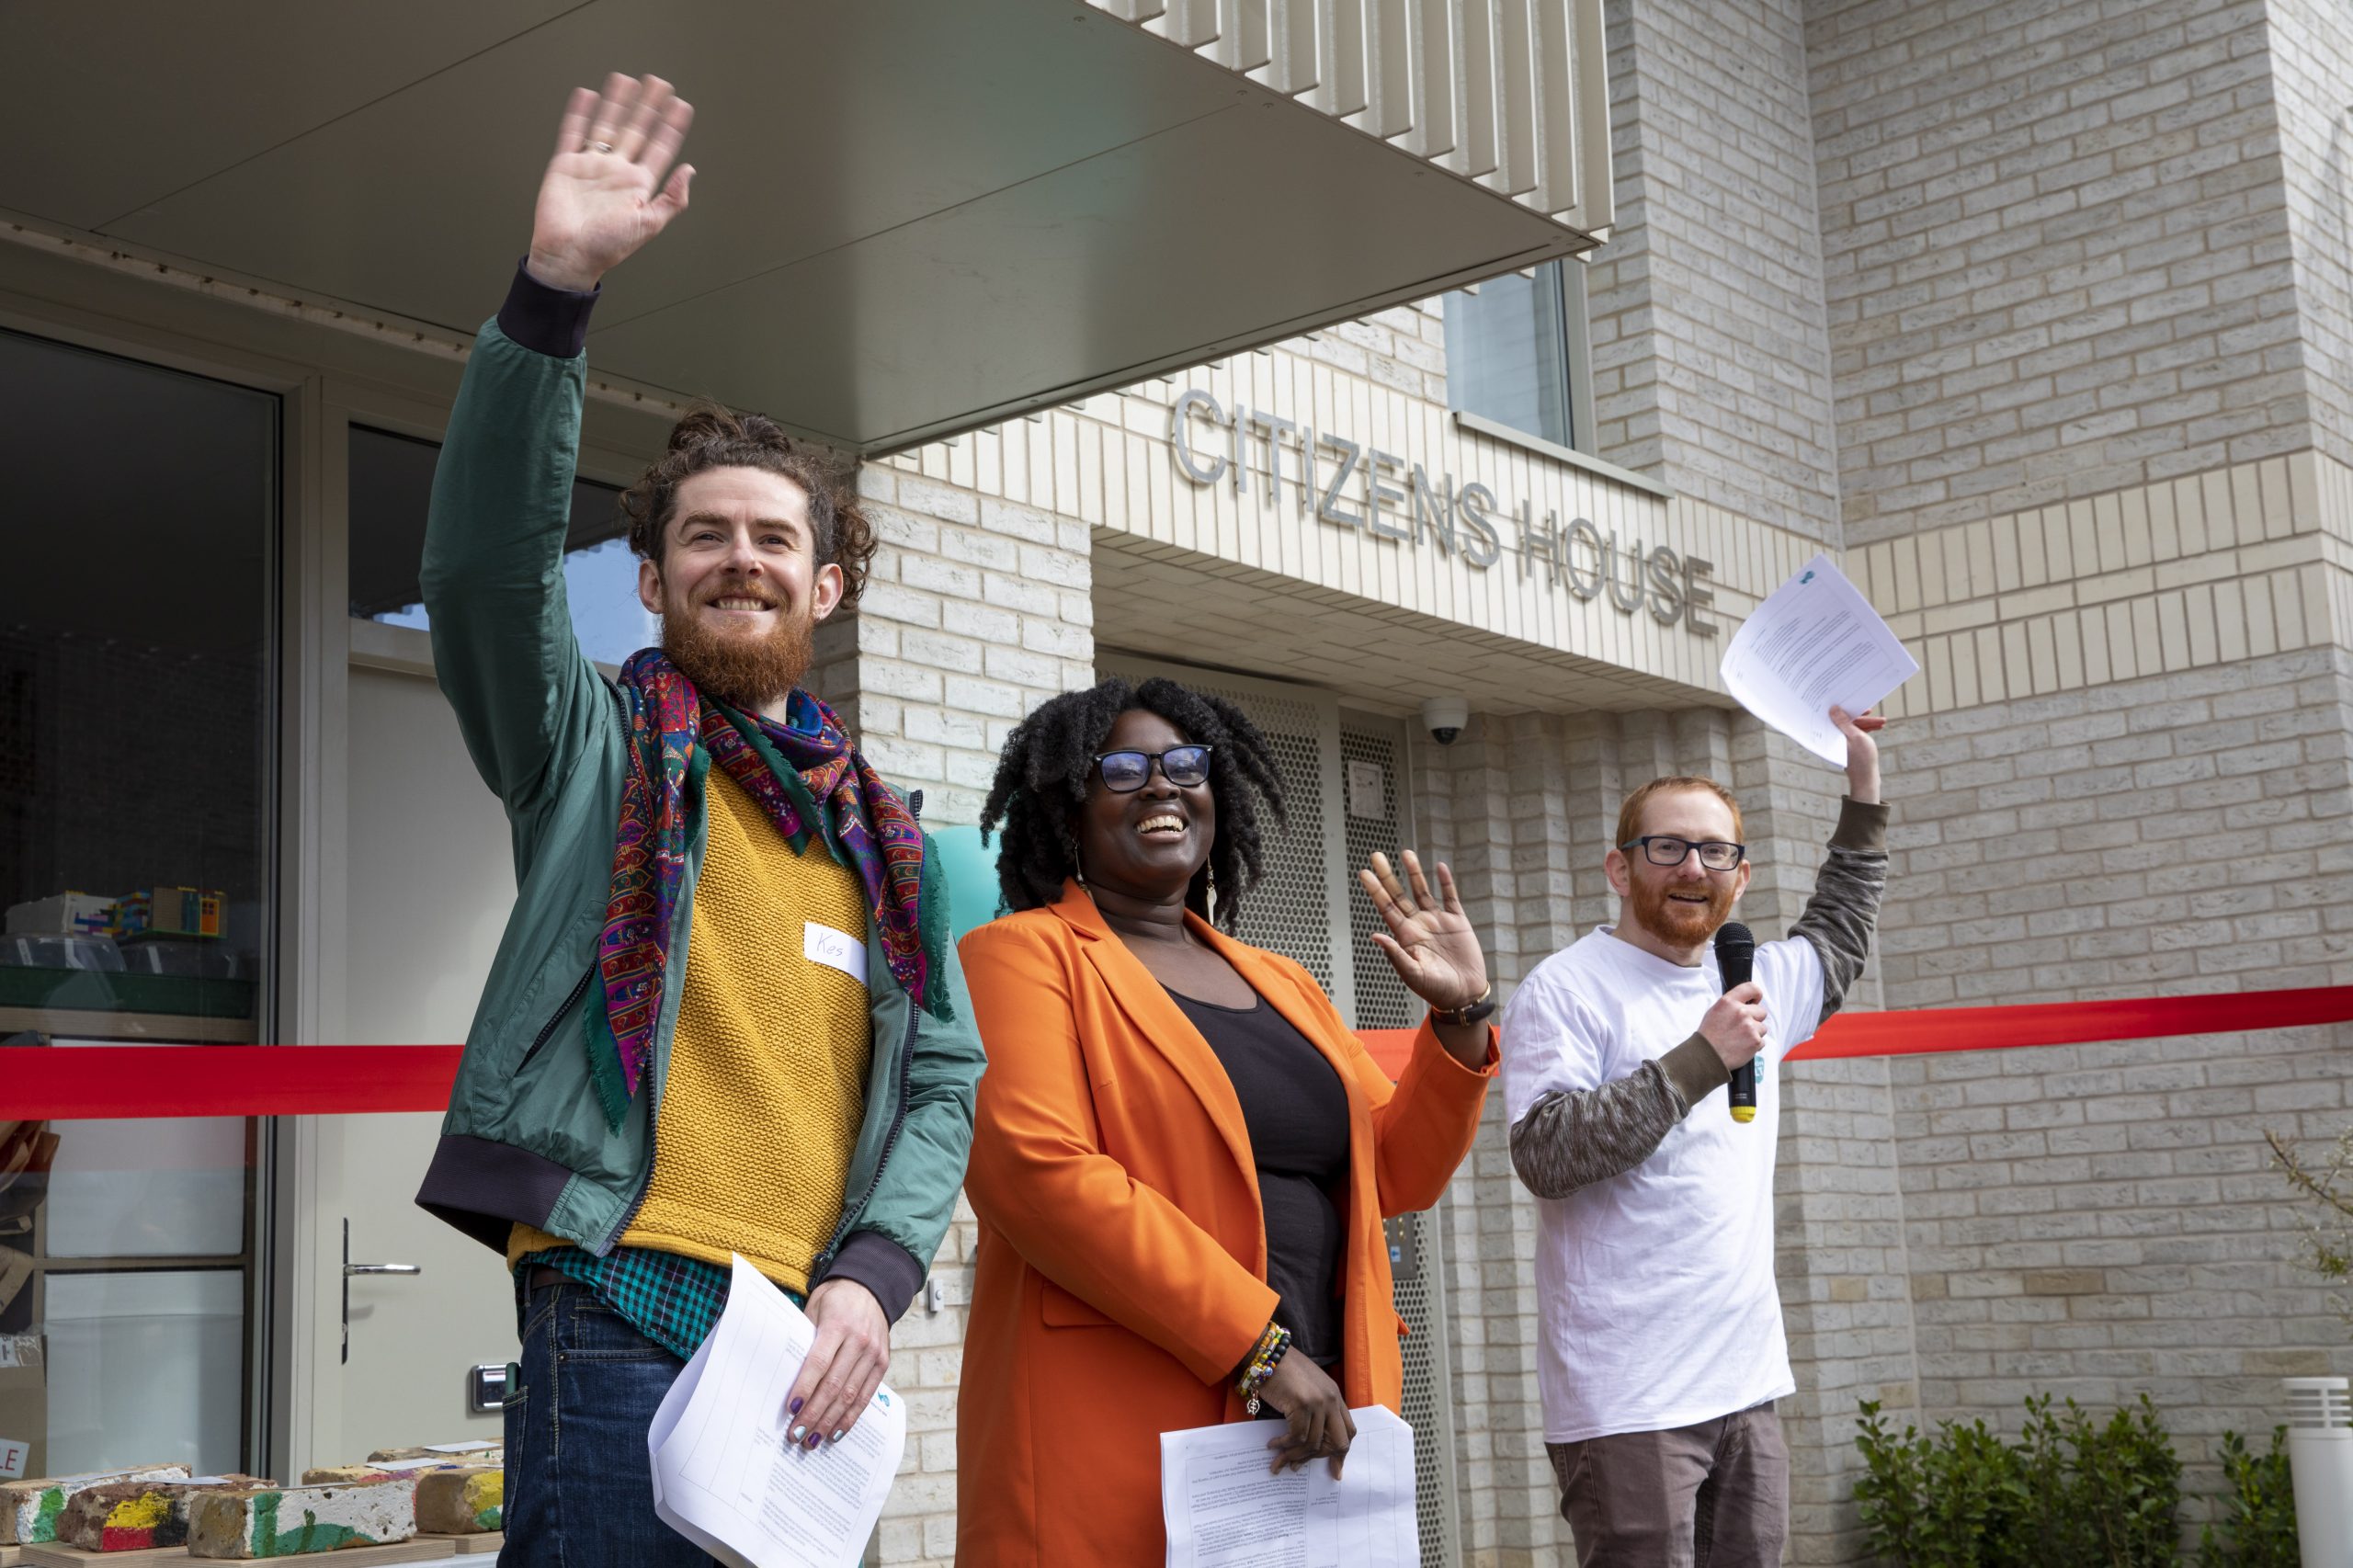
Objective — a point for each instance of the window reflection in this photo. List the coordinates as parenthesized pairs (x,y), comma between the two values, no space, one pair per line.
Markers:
(1507,356)
(137,711)
(392,485)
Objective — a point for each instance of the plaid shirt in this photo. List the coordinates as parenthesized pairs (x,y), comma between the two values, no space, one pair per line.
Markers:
(671,1300)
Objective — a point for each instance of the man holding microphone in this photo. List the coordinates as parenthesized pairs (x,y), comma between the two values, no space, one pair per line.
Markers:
(1662,1347)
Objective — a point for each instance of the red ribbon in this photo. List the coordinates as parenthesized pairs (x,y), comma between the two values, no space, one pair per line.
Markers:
(78,1081)
(1915,1031)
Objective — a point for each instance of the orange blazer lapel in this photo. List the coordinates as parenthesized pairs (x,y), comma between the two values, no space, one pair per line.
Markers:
(1162,1023)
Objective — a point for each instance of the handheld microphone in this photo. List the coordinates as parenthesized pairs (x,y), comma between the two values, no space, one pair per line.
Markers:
(1736,956)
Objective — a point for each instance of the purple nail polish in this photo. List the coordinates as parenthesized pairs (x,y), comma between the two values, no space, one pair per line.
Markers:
(816,1438)
(794,1408)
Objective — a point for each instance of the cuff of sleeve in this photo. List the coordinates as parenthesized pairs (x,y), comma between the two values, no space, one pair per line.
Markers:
(1862,826)
(884,1267)
(1693,1070)
(553,322)
(1487,1069)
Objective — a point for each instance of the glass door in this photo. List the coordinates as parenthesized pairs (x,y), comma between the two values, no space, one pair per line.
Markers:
(136,709)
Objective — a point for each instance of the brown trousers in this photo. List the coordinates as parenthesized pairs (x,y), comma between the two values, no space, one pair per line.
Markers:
(1711,1495)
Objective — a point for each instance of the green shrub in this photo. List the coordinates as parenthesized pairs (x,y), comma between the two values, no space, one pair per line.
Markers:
(2259,1512)
(2068,1495)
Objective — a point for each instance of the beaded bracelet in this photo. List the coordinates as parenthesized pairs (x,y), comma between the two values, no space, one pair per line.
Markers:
(1261,1365)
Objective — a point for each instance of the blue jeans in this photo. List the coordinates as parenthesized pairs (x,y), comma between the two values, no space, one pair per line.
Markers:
(579,1486)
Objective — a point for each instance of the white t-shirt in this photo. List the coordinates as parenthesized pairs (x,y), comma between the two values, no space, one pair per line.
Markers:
(1656,1286)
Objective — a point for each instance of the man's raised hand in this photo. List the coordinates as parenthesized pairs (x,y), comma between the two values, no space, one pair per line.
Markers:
(610,187)
(1862,752)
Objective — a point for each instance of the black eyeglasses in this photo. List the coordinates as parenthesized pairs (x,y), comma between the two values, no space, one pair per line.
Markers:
(1125,772)
(1715,853)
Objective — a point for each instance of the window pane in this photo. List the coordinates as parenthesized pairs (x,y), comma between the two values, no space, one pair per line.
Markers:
(137,710)
(148,1189)
(1507,353)
(392,484)
(146,1368)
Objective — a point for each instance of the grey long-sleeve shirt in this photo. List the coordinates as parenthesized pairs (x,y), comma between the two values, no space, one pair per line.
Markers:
(1572,1139)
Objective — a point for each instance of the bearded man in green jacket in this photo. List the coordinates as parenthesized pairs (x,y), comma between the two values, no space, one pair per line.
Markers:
(725,1018)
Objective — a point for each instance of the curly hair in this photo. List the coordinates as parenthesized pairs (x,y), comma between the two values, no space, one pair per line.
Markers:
(711,437)
(1041,783)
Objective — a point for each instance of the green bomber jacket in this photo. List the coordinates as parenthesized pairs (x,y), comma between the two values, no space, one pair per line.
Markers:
(525,1137)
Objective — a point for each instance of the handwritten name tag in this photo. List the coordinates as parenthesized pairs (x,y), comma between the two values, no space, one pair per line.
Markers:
(835,949)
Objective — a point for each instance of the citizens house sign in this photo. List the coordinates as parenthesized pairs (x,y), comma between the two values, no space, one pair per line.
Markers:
(1349,485)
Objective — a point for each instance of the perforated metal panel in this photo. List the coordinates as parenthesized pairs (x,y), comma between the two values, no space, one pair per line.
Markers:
(1429,1378)
(1382,1001)
(1417,1249)
(1307,907)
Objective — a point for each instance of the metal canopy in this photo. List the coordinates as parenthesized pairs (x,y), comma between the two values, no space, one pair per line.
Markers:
(910,217)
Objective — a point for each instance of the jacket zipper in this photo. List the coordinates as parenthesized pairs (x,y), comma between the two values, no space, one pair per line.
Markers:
(547,1030)
(850,1213)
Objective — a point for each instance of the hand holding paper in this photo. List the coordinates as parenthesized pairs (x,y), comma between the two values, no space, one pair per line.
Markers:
(725,1474)
(1224,1510)
(1814,644)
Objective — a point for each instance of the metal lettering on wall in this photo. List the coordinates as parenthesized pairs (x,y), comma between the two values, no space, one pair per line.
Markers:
(1389,498)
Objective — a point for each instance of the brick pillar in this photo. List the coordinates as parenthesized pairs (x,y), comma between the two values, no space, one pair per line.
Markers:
(979,609)
(1492,807)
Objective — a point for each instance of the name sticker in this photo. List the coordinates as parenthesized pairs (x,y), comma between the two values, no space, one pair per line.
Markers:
(835,949)
(13,1455)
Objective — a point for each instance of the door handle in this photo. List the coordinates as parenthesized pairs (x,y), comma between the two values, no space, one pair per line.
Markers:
(351,1268)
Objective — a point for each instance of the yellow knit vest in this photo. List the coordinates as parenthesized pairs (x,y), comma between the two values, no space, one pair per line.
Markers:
(766,1085)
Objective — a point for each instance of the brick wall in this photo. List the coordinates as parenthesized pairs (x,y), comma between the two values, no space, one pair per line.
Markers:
(1710,359)
(2312,62)
(2056,239)
(977,611)
(2095,1220)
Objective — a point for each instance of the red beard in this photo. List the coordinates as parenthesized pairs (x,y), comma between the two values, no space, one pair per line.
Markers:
(746,672)
(1682,924)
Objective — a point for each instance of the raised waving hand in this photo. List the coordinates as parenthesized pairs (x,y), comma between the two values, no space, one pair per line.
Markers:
(1431,942)
(611,185)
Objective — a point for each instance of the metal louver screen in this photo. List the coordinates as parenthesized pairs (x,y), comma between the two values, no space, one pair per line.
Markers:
(1384,1003)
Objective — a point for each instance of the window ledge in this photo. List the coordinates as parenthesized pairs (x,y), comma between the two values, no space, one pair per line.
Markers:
(1558,453)
(408,650)
(404,650)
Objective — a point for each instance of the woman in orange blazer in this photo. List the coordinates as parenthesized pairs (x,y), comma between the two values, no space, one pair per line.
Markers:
(1182,1156)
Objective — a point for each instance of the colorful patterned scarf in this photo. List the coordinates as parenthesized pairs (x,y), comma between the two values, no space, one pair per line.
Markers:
(806,774)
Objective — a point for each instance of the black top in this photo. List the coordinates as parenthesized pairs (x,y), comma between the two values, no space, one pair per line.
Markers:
(1297,1114)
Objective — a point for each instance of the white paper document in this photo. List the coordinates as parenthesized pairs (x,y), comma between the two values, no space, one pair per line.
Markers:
(725,1477)
(1814,642)
(1225,1511)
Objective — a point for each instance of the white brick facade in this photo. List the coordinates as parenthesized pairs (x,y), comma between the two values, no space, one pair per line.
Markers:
(2035,313)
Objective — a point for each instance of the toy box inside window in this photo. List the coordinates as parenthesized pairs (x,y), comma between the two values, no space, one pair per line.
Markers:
(167,912)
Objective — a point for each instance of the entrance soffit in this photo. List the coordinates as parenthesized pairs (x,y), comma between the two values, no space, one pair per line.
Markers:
(911,217)
(1374,656)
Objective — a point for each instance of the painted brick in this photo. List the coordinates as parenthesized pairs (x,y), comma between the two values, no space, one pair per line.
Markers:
(30,1508)
(252,1523)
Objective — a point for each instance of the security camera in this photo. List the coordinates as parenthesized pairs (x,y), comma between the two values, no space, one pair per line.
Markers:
(1444,717)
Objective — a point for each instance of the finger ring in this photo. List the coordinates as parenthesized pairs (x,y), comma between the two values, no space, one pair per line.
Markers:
(600,146)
